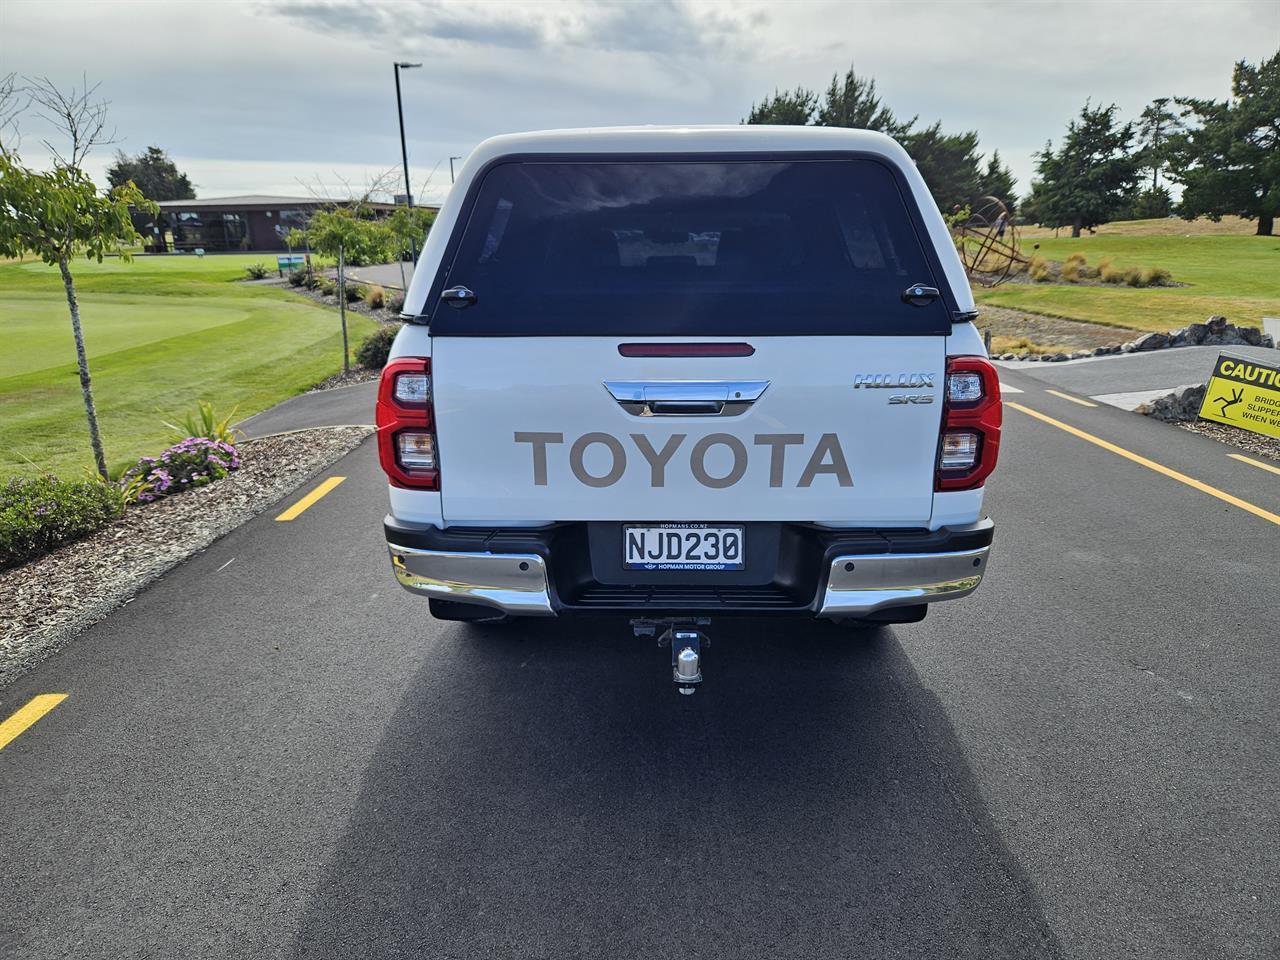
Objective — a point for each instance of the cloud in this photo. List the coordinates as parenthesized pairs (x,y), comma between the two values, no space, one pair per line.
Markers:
(254,96)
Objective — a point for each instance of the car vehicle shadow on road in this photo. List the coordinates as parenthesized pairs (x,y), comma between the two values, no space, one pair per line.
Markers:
(542,791)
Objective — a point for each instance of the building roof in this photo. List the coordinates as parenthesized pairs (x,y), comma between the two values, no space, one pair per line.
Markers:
(258,200)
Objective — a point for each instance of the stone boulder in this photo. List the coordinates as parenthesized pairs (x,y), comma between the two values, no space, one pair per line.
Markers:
(1179,406)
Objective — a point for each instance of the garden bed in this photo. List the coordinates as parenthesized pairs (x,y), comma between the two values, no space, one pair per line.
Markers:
(45,603)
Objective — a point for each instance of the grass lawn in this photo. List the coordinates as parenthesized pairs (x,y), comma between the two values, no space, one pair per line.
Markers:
(1231,274)
(161,333)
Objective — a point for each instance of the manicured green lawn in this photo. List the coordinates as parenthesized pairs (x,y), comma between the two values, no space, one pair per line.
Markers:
(1235,276)
(161,333)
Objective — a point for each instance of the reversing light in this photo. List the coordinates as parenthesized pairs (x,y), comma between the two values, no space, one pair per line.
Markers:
(416,449)
(959,450)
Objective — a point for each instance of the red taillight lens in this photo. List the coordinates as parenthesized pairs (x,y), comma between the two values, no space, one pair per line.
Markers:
(406,425)
(971,417)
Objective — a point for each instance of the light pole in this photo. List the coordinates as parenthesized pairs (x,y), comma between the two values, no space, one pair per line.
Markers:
(404,152)
(451,159)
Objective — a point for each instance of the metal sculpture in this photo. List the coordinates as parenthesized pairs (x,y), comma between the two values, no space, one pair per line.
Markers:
(988,242)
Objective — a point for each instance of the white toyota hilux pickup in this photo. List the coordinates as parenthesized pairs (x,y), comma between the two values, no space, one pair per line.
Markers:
(678,373)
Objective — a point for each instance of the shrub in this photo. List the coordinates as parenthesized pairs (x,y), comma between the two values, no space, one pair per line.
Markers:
(1110,274)
(354,292)
(297,277)
(1039,270)
(375,296)
(38,514)
(1133,277)
(395,302)
(315,281)
(1071,269)
(194,462)
(257,271)
(327,287)
(204,422)
(373,352)
(1155,276)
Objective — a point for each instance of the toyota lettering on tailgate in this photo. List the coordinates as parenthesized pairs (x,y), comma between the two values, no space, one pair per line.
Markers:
(826,458)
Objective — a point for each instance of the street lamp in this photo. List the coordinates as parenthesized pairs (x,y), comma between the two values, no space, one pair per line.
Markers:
(404,150)
(451,159)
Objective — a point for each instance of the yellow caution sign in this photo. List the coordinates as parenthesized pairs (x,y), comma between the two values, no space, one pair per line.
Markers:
(1244,394)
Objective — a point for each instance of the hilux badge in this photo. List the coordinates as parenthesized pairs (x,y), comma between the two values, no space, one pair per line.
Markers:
(892,381)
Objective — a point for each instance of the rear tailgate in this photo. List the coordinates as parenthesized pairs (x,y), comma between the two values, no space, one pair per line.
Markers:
(827,409)
(529,431)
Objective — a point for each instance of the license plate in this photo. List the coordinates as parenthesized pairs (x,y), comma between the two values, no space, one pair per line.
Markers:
(683,546)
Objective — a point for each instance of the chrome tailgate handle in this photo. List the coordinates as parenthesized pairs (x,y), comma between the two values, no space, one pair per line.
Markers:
(685,398)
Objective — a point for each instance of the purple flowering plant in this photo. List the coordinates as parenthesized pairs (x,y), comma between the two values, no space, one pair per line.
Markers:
(193,462)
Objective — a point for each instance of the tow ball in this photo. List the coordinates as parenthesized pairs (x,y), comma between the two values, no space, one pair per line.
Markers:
(686,639)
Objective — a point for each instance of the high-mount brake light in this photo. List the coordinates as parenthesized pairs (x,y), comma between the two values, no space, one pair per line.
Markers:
(406,424)
(969,444)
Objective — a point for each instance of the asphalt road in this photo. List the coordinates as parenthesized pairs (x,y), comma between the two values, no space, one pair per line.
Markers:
(1127,379)
(275,752)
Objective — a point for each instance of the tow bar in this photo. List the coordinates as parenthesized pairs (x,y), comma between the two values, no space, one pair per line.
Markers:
(686,639)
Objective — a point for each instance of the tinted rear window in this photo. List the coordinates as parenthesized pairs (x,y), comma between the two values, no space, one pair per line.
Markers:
(662,248)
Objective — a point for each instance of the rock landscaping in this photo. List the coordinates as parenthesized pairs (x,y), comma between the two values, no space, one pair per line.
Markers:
(49,600)
(1216,331)
(1182,407)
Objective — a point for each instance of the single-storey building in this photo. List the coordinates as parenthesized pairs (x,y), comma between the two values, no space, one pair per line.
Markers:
(246,223)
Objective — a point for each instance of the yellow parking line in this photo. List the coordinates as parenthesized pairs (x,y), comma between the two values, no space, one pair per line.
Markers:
(1150,464)
(1254,463)
(296,510)
(1067,396)
(34,709)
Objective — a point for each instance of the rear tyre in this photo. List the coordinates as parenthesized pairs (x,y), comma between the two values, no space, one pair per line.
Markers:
(912,614)
(466,612)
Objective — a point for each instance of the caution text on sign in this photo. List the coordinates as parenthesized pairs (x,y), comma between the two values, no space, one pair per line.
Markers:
(1244,394)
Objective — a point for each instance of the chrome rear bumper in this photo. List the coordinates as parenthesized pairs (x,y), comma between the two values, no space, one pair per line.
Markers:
(856,584)
(511,582)
(859,585)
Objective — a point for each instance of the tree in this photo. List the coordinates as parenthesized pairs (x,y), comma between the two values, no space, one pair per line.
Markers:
(853,102)
(788,107)
(1091,179)
(1230,162)
(153,173)
(59,214)
(997,181)
(408,227)
(948,162)
(1157,126)
(342,231)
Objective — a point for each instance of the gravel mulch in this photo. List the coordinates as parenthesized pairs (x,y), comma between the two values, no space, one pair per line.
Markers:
(1051,331)
(1266,448)
(45,603)
(357,375)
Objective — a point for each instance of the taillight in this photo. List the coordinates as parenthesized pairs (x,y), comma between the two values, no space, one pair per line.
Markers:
(971,416)
(406,424)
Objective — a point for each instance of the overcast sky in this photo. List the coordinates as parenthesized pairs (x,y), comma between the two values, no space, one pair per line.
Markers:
(254,97)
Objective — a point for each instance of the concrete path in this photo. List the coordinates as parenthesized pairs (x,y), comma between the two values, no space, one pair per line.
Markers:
(383,274)
(339,407)
(1127,379)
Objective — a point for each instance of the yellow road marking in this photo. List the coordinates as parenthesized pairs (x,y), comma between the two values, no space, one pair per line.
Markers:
(35,708)
(296,510)
(1150,464)
(1067,396)
(1254,463)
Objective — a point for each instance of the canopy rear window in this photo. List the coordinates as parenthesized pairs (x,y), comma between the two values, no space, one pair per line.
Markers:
(688,247)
